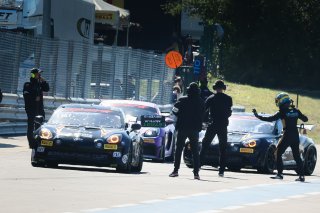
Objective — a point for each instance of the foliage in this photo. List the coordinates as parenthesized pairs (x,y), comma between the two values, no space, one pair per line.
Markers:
(263,100)
(274,43)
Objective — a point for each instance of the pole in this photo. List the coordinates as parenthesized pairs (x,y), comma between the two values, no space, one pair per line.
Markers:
(117,32)
(46,21)
(128,29)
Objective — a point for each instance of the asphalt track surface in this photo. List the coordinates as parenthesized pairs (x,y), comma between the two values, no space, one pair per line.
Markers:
(89,189)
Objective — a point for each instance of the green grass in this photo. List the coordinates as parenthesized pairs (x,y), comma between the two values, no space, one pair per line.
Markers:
(263,100)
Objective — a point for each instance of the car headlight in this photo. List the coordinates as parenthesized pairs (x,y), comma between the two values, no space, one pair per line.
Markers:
(45,134)
(250,143)
(154,132)
(114,138)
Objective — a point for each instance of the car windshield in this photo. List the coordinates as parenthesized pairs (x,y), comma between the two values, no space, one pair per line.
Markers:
(87,118)
(136,110)
(240,123)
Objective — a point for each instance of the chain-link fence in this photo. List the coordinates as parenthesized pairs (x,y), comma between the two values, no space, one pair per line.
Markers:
(83,70)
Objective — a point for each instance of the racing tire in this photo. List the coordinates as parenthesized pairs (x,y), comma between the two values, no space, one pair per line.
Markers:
(310,160)
(269,162)
(126,168)
(234,168)
(138,168)
(52,165)
(173,149)
(37,164)
(34,161)
(189,166)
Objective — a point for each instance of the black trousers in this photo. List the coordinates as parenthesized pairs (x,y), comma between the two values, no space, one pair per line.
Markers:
(30,131)
(31,127)
(287,140)
(193,136)
(222,133)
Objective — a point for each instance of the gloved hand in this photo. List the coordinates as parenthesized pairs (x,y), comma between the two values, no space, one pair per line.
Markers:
(255,112)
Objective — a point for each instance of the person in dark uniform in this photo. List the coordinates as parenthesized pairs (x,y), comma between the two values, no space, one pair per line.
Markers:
(33,99)
(176,93)
(204,90)
(218,108)
(1,95)
(289,116)
(189,111)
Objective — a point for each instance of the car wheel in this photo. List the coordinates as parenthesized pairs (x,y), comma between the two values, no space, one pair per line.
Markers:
(310,160)
(138,168)
(52,165)
(173,145)
(34,161)
(187,156)
(126,167)
(269,161)
(163,150)
(234,168)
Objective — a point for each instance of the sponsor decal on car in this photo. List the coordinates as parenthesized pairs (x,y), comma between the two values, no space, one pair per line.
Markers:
(110,146)
(40,149)
(246,150)
(116,154)
(148,140)
(46,143)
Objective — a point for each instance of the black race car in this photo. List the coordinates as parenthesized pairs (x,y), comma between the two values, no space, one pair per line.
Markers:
(90,135)
(252,143)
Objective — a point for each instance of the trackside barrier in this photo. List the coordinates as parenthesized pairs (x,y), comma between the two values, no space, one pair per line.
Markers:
(13,118)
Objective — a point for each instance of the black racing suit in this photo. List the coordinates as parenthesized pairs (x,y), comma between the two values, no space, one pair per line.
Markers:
(290,137)
(219,106)
(33,99)
(189,111)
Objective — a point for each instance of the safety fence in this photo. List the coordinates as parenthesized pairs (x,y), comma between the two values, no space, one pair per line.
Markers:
(84,70)
(13,118)
(77,73)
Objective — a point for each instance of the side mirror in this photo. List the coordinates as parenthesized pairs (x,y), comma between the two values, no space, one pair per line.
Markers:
(169,121)
(135,127)
(39,120)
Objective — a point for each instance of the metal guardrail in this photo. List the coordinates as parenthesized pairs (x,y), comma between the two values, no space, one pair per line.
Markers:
(13,118)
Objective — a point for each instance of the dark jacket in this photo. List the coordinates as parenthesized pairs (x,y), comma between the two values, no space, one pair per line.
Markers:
(33,96)
(289,117)
(205,92)
(219,108)
(1,95)
(189,111)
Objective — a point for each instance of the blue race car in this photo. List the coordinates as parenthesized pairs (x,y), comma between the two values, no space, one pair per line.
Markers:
(252,143)
(159,142)
(90,135)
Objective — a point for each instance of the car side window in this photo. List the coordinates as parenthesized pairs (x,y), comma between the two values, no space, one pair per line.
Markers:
(278,127)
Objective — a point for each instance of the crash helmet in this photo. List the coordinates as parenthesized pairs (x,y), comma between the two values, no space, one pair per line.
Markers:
(282,99)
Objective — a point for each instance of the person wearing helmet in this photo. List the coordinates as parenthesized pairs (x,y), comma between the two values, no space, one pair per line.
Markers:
(289,116)
(33,99)
(218,110)
(189,111)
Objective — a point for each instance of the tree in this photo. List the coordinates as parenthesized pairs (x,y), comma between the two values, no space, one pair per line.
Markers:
(271,43)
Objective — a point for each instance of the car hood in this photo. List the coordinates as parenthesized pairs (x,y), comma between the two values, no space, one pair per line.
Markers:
(81,131)
(240,137)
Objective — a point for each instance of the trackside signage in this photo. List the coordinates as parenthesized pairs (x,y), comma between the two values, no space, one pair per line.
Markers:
(153,121)
(73,20)
(8,17)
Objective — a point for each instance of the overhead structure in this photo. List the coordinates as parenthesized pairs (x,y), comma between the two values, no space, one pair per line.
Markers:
(117,17)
